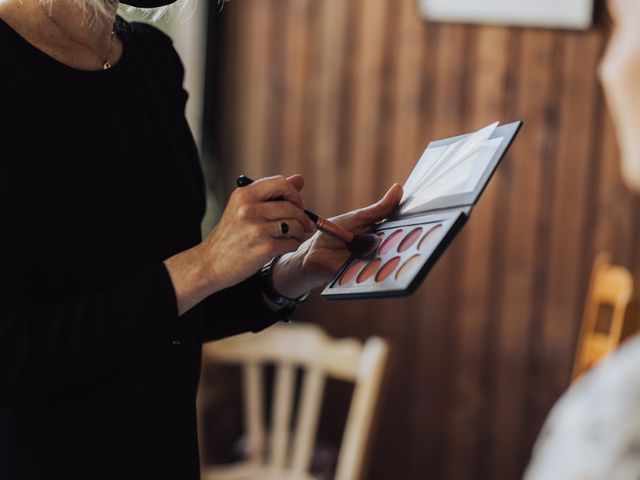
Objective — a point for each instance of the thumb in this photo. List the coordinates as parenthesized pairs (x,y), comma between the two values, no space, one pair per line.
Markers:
(383,207)
(297,181)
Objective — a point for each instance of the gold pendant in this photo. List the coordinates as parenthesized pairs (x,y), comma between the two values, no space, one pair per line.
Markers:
(106,66)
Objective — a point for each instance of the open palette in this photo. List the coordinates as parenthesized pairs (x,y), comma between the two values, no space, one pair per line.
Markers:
(438,198)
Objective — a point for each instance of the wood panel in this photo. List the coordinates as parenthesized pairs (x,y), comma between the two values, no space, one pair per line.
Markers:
(519,249)
(348,92)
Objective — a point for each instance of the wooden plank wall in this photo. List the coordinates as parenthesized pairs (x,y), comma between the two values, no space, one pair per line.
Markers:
(348,92)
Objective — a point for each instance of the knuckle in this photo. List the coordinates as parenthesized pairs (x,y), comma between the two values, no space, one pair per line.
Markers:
(283,183)
(276,209)
(365,214)
(245,212)
(282,210)
(240,195)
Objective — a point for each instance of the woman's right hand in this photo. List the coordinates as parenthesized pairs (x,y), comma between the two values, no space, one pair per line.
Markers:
(246,237)
(248,233)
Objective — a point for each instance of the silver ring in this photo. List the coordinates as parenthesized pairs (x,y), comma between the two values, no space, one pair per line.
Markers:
(284,228)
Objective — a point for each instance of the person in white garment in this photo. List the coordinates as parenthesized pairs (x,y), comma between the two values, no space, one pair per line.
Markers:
(593,431)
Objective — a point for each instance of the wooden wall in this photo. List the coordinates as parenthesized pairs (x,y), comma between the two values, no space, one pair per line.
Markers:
(348,92)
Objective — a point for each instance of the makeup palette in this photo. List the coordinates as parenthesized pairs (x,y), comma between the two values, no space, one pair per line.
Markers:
(438,199)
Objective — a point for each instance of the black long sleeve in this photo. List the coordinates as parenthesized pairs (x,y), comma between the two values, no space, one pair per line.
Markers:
(49,342)
(99,183)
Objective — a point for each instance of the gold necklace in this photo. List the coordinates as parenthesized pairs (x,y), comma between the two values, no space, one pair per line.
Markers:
(106,63)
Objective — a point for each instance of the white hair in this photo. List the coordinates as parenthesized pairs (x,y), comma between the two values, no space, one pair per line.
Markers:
(102,7)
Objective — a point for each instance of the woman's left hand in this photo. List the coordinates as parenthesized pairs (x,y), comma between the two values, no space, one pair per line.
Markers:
(319,258)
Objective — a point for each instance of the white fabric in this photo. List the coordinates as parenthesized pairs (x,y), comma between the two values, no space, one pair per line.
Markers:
(593,432)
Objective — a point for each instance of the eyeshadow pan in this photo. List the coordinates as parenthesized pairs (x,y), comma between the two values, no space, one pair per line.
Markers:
(408,267)
(410,239)
(387,269)
(350,273)
(369,270)
(428,237)
(391,242)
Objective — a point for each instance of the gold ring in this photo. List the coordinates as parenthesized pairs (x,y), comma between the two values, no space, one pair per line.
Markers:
(284,228)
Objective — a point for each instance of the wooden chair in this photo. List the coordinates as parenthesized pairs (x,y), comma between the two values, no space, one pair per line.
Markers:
(611,288)
(290,347)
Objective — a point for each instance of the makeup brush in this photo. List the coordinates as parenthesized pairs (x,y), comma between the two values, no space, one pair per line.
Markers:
(360,245)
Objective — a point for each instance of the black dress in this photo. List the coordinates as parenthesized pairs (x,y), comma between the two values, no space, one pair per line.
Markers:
(99,183)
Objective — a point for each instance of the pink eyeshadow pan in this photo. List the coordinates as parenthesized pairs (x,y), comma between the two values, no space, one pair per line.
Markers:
(351,272)
(391,242)
(387,269)
(408,267)
(369,270)
(428,237)
(410,239)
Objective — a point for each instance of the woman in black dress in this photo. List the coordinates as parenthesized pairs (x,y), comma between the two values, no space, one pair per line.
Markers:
(107,289)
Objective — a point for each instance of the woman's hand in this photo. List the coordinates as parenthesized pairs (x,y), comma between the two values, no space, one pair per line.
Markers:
(246,237)
(248,234)
(320,257)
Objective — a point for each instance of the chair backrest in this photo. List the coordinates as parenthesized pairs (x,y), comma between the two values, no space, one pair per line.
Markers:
(610,289)
(290,347)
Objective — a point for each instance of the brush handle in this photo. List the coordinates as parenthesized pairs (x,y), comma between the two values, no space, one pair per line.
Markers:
(322,223)
(331,228)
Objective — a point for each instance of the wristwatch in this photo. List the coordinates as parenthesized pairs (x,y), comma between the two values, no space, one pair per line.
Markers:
(270,291)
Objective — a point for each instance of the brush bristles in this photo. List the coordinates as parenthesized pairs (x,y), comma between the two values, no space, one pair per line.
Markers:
(364,245)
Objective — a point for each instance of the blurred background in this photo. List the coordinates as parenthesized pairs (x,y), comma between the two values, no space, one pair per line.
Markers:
(348,93)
